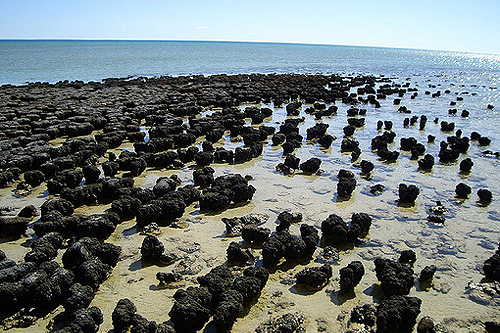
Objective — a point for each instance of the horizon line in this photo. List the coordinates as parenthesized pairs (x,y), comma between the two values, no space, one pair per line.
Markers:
(241,41)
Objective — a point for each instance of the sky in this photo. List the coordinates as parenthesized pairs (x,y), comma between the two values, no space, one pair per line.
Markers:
(455,25)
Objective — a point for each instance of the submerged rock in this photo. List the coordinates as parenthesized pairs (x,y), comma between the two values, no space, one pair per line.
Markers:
(289,322)
(235,224)
(314,278)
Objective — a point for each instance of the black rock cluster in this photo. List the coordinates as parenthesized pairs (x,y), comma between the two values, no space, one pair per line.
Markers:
(282,244)
(221,295)
(336,231)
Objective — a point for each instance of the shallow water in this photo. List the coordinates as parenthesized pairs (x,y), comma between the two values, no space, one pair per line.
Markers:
(458,248)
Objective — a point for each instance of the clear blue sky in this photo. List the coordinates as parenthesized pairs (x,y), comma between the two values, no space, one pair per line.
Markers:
(461,25)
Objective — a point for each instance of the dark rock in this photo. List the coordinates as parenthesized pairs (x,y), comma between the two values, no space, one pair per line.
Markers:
(254,234)
(34,178)
(187,155)
(13,226)
(258,272)
(126,207)
(110,168)
(204,158)
(295,248)
(346,184)
(474,136)
(314,278)
(317,131)
(491,266)
(134,165)
(163,186)
(448,155)
(436,219)
(348,145)
(234,225)
(64,206)
(89,248)
(398,313)
(83,320)
(292,161)
(248,286)
(466,165)
(79,297)
(425,325)
(492,327)
(228,310)
(395,278)
(222,155)
(44,248)
(335,230)
(278,139)
(286,219)
(91,174)
(106,252)
(236,255)
(122,315)
(408,194)
(377,189)
(427,273)
(366,166)
(170,277)
(151,249)
(207,146)
(217,280)
(92,273)
(408,143)
(274,248)
(360,225)
(349,130)
(96,225)
(364,314)
(447,127)
(203,177)
(75,255)
(407,257)
(311,165)
(310,236)
(483,141)
(426,163)
(484,195)
(28,211)
(351,275)
(225,190)
(462,190)
(387,155)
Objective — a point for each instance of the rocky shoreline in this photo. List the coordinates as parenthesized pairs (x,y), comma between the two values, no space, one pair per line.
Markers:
(103,180)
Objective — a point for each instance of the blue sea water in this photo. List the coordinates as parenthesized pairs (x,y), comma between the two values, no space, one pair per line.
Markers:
(54,60)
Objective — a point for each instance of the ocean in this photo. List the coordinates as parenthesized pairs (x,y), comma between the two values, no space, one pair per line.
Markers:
(54,60)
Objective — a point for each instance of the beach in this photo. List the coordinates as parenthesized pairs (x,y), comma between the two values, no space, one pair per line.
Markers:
(95,119)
